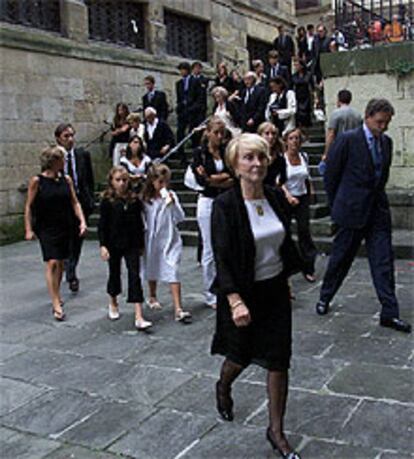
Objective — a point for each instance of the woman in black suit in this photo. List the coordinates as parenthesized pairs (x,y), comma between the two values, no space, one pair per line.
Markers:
(254,256)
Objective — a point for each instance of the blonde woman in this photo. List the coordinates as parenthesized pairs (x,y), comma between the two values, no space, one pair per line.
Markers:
(255,255)
(50,201)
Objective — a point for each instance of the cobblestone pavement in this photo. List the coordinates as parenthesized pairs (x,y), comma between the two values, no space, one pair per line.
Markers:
(89,388)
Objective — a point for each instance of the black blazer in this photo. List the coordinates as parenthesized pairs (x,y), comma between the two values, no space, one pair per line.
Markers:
(191,105)
(281,71)
(120,225)
(202,157)
(162,136)
(159,102)
(226,83)
(254,108)
(204,81)
(350,182)
(285,48)
(233,242)
(86,182)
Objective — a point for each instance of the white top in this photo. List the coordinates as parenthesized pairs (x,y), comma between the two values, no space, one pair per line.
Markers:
(219,165)
(286,114)
(136,170)
(296,176)
(225,116)
(268,233)
(151,128)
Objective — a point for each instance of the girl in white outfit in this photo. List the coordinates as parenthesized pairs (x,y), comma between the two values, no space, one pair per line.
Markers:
(163,244)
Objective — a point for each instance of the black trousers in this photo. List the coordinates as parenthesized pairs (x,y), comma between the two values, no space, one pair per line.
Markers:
(185,124)
(75,248)
(114,287)
(377,235)
(307,248)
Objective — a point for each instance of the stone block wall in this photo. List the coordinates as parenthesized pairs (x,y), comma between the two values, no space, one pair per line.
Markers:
(48,78)
(369,73)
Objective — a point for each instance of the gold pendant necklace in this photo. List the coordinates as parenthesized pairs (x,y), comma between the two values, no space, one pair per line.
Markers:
(259,210)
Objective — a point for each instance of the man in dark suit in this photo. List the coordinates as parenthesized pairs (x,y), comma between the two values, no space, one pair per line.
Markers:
(78,165)
(320,45)
(252,103)
(158,135)
(284,45)
(155,98)
(196,69)
(189,105)
(275,69)
(357,171)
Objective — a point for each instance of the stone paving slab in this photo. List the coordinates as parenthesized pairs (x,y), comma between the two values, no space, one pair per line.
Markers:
(90,388)
(166,435)
(23,446)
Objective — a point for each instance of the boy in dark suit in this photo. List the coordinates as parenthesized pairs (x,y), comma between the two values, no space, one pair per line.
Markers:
(252,103)
(357,171)
(189,105)
(78,165)
(155,98)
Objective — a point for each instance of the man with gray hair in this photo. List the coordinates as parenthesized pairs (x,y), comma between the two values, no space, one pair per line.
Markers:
(252,103)
(158,135)
(357,171)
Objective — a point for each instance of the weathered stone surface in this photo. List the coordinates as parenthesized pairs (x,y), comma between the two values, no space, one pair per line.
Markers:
(52,413)
(78,452)
(18,445)
(374,381)
(319,449)
(393,426)
(15,394)
(166,434)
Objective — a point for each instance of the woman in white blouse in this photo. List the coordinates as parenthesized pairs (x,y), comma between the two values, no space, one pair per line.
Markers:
(281,106)
(226,110)
(299,191)
(135,161)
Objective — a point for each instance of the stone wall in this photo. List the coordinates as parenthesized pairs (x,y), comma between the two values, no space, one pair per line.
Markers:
(48,78)
(371,73)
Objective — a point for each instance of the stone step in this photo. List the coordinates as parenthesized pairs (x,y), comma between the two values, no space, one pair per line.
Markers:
(190,209)
(187,196)
(314,147)
(189,224)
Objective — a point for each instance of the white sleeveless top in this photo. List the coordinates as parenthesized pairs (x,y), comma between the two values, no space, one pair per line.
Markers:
(296,176)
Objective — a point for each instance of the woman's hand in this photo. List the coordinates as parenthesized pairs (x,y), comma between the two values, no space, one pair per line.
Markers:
(104,253)
(201,171)
(82,229)
(29,235)
(293,201)
(241,315)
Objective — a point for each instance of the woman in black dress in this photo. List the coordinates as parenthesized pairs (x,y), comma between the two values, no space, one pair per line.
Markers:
(51,202)
(302,43)
(302,85)
(254,256)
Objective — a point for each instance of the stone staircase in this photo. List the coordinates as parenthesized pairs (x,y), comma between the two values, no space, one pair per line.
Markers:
(322,228)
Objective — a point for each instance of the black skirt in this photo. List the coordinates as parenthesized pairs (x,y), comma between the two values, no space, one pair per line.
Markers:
(267,340)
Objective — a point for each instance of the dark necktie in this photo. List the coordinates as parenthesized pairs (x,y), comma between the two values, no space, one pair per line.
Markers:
(377,157)
(71,172)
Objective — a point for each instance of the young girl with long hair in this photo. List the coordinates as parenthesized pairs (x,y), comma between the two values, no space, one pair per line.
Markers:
(121,235)
(163,244)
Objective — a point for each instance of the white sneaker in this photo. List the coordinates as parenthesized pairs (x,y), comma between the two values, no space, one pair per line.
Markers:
(154,305)
(113,315)
(143,324)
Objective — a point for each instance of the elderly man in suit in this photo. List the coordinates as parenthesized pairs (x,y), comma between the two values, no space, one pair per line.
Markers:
(78,165)
(155,98)
(158,135)
(357,171)
(252,103)
(189,105)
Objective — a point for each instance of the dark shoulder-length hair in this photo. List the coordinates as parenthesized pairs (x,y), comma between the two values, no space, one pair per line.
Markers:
(128,152)
(117,122)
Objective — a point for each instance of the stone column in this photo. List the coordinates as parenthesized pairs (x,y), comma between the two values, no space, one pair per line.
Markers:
(74,20)
(156,30)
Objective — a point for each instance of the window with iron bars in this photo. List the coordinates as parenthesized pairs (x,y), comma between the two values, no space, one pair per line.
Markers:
(303,4)
(258,49)
(40,14)
(117,22)
(186,37)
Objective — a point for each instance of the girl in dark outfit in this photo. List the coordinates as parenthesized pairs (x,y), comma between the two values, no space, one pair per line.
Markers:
(51,202)
(121,235)
(254,256)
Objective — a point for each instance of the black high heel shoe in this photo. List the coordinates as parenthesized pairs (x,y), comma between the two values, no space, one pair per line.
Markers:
(224,403)
(291,455)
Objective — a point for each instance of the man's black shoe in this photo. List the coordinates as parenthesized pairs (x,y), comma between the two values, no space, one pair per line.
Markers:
(74,285)
(322,308)
(396,324)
